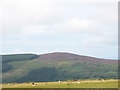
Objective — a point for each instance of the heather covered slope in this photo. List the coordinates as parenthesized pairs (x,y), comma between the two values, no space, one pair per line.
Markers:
(56,66)
(57,56)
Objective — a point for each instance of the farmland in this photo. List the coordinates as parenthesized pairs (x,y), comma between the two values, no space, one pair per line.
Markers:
(91,83)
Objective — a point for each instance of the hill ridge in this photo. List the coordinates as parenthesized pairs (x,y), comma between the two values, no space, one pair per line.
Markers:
(55,67)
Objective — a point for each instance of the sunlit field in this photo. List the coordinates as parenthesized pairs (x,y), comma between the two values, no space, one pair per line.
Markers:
(110,83)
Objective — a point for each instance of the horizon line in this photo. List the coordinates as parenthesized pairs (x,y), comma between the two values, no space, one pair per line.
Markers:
(59,52)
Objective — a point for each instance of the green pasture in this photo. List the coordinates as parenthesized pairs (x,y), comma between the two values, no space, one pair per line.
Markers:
(66,84)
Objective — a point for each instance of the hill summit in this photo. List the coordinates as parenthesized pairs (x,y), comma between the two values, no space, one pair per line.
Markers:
(63,56)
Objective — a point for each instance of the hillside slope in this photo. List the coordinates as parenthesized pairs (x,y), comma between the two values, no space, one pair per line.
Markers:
(56,66)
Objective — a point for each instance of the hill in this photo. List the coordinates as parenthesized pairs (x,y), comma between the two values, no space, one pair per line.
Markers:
(56,66)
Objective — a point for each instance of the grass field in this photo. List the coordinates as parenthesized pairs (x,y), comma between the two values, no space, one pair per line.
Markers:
(111,83)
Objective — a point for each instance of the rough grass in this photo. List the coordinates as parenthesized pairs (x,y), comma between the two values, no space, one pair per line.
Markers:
(67,84)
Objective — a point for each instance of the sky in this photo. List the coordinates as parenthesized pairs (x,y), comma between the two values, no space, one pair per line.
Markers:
(84,27)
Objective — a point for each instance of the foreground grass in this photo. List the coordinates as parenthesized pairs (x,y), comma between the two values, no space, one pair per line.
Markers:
(70,84)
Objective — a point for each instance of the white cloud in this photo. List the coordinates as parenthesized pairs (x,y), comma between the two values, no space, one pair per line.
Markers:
(73,25)
(77,24)
(87,1)
(34,30)
(102,40)
(16,50)
(20,13)
(89,22)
